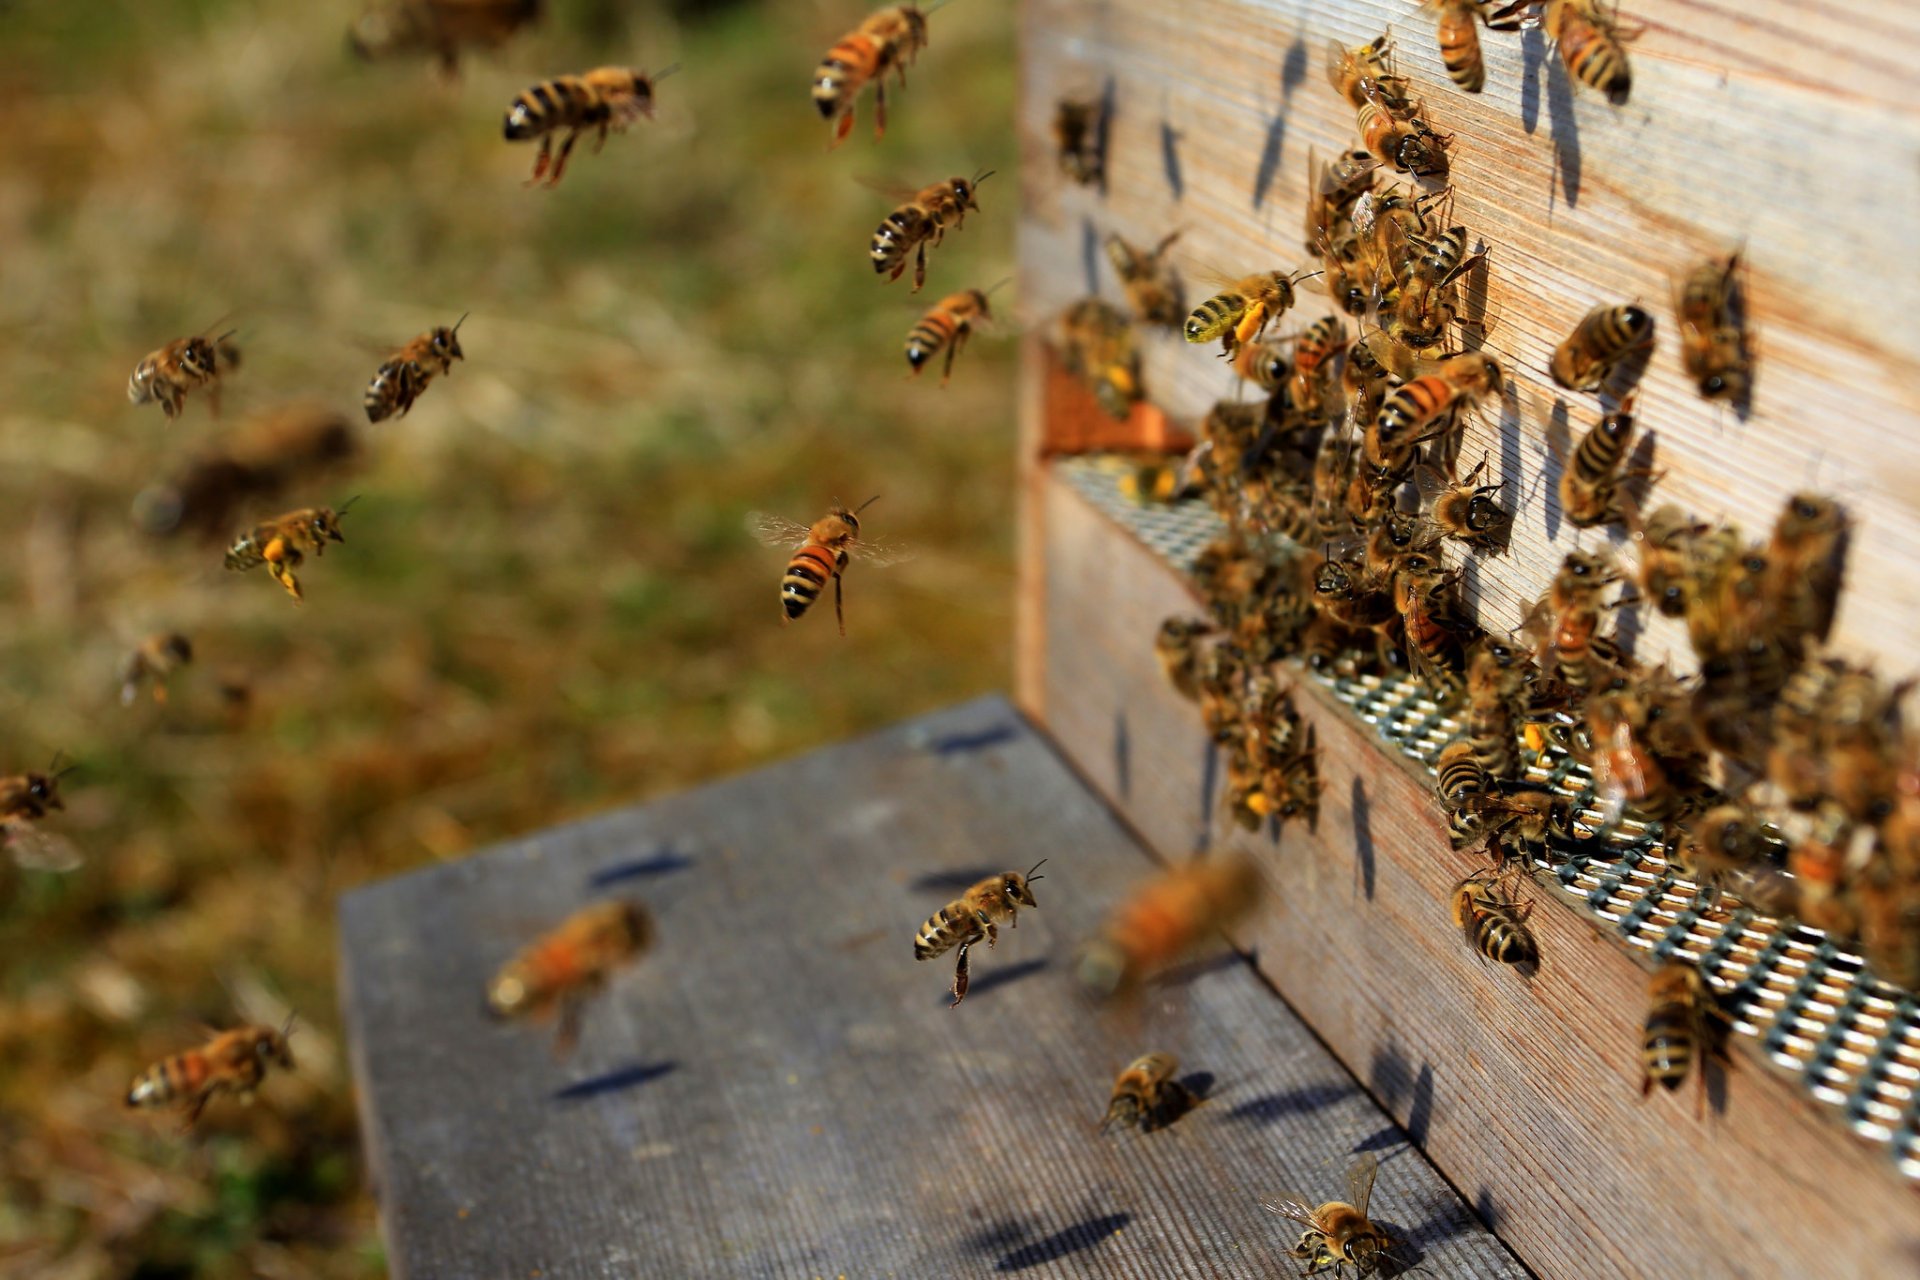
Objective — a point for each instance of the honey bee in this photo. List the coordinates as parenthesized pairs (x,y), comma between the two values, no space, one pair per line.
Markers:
(1665,539)
(404,376)
(604,98)
(1424,310)
(170,372)
(1456,26)
(1079,136)
(1408,145)
(1145,276)
(1796,749)
(1589,486)
(154,658)
(1145,1093)
(1177,646)
(1096,345)
(826,546)
(1165,919)
(1599,344)
(1565,622)
(1266,365)
(282,542)
(1591,45)
(1724,850)
(920,221)
(886,41)
(1285,774)
(1459,778)
(1431,623)
(1713,341)
(1428,401)
(1364,73)
(438,27)
(1351,596)
(1823,862)
(948,324)
(1517,820)
(1339,183)
(1496,670)
(1677,1033)
(1464,512)
(974,916)
(1804,565)
(1313,353)
(233,1062)
(1241,313)
(297,441)
(1626,772)
(25,800)
(558,972)
(1338,1233)
(1495,927)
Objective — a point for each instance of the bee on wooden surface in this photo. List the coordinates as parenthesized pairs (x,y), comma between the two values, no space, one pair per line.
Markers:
(1495,926)
(1147,278)
(1310,383)
(1349,595)
(1177,646)
(1146,1094)
(1165,919)
(282,542)
(1591,43)
(1338,183)
(1079,139)
(438,27)
(1518,820)
(1496,671)
(1677,1033)
(1425,308)
(1363,73)
(1713,338)
(1589,486)
(1288,781)
(1431,621)
(946,326)
(886,41)
(1599,345)
(1408,145)
(974,916)
(1459,778)
(603,98)
(271,451)
(1338,1233)
(153,659)
(233,1062)
(1456,25)
(1426,404)
(558,972)
(1565,623)
(826,547)
(1241,313)
(1464,512)
(1804,561)
(168,373)
(1665,537)
(1097,346)
(404,376)
(920,222)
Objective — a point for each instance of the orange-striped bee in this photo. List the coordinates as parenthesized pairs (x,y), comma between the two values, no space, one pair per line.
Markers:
(1338,1233)
(404,375)
(1677,1033)
(1456,26)
(946,326)
(825,548)
(922,220)
(1079,135)
(1496,671)
(1165,919)
(1313,354)
(1151,289)
(438,27)
(1145,1093)
(973,916)
(560,970)
(282,542)
(604,98)
(1431,621)
(1430,397)
(1495,927)
(1591,44)
(170,372)
(888,40)
(1713,341)
(154,658)
(232,1062)
(1603,339)
(1242,311)
(1589,487)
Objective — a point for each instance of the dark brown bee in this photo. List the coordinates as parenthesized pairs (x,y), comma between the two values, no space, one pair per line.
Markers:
(1804,566)
(1665,537)
(1350,596)
(1425,308)
(1459,779)
(1713,340)
(438,27)
(1177,646)
(921,221)
(1495,927)
(1079,127)
(1464,512)
(273,450)
(1589,487)
(974,916)
(1599,344)
(1146,1094)
(405,374)
(1338,184)
(606,98)
(1677,1034)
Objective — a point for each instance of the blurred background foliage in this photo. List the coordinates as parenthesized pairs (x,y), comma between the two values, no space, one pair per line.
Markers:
(548,603)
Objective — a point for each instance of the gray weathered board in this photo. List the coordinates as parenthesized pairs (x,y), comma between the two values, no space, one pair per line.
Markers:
(781,1091)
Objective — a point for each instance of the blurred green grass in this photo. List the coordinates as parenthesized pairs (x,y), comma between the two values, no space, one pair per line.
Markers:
(548,603)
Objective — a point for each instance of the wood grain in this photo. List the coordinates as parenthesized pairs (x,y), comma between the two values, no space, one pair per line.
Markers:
(1788,130)
(1524,1090)
(781,1092)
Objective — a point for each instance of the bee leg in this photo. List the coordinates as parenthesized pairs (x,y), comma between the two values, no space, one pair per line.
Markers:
(600,141)
(919,267)
(961,979)
(880,108)
(541,161)
(195,1107)
(993,935)
(839,613)
(560,161)
(845,128)
(953,350)
(567,1036)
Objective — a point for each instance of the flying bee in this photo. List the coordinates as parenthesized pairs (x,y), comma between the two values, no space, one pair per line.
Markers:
(1589,485)
(404,375)
(1177,646)
(1241,313)
(25,801)
(1145,1093)
(1456,25)
(1677,1032)
(268,453)
(1464,512)
(233,1062)
(1713,338)
(887,41)
(558,972)
(1097,346)
(1079,138)
(1804,565)
(1591,44)
(282,542)
(826,546)
(1495,927)
(946,325)
(1165,919)
(921,221)
(1428,401)
(438,27)
(1267,365)
(1147,278)
(604,98)
(974,916)
(170,372)
(154,658)
(1599,345)
(1338,1233)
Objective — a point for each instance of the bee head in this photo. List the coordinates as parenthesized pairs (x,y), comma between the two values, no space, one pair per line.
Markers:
(45,789)
(1018,887)
(177,647)
(271,1046)
(198,357)
(446,342)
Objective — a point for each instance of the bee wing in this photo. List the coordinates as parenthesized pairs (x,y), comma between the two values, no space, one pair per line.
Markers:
(776,531)
(880,554)
(1432,484)
(1395,357)
(37,850)
(1337,58)
(1360,1181)
(1288,1204)
(892,190)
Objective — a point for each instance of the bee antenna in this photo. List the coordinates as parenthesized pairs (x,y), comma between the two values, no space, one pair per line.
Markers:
(342,510)
(1036,866)
(665,71)
(998,285)
(869,502)
(983,175)
(462,320)
(286,1028)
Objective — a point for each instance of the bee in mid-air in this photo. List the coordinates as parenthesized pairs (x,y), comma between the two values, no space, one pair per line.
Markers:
(946,326)
(603,98)
(404,375)
(1678,1033)
(438,27)
(1146,1094)
(1165,919)
(887,41)
(154,658)
(270,452)
(922,221)
(1456,25)
(559,971)
(170,372)
(1241,313)
(231,1062)
(825,548)
(1713,338)
(1079,134)
(1600,344)
(25,800)
(1465,512)
(1592,45)
(1338,1233)
(282,542)
(1148,281)
(974,916)
(1495,926)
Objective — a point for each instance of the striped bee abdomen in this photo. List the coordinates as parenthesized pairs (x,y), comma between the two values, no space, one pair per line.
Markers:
(170,1078)
(847,67)
(811,568)
(929,337)
(950,925)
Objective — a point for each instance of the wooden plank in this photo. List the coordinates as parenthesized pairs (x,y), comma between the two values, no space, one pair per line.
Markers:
(1524,1090)
(781,1092)
(1787,130)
